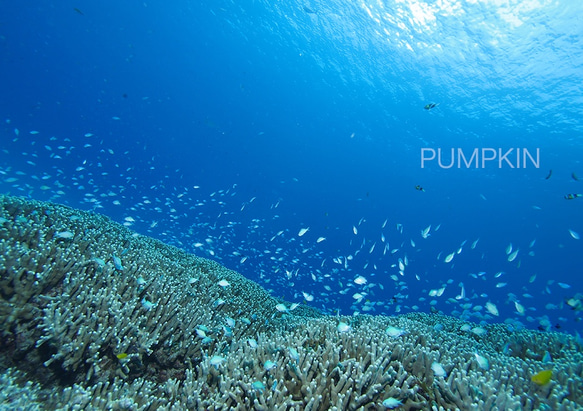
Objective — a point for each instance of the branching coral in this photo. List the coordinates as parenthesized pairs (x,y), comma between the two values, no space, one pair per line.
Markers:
(95,316)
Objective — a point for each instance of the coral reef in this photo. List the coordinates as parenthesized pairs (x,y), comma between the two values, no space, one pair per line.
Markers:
(94,316)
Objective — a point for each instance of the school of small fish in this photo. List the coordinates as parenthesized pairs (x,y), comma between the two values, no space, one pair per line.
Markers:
(362,266)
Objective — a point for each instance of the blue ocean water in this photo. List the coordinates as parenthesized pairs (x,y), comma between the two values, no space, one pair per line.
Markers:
(227,128)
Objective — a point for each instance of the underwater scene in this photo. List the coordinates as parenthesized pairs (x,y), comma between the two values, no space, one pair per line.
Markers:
(258,205)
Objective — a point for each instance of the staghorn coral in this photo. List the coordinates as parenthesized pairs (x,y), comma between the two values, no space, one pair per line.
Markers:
(94,316)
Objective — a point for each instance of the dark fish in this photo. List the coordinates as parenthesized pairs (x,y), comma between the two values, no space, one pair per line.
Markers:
(78,11)
(550,174)
(574,176)
(309,10)
(430,106)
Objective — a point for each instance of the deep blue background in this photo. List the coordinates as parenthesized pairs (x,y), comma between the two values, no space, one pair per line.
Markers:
(319,117)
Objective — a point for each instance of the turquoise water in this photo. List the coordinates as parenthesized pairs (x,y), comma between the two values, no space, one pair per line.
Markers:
(228,128)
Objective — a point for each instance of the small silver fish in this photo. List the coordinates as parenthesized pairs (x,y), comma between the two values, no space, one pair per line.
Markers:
(303,231)
(483,362)
(394,331)
(343,327)
(438,369)
(217,360)
(65,235)
(117,263)
(224,283)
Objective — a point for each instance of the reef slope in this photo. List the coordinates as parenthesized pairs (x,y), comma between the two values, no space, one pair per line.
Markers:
(95,316)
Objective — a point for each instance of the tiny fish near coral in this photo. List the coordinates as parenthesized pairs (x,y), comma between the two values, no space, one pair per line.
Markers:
(65,235)
(259,386)
(224,283)
(343,327)
(268,365)
(543,377)
(281,308)
(395,332)
(217,360)
(483,362)
(391,403)
(148,305)
(117,263)
(438,370)
(294,354)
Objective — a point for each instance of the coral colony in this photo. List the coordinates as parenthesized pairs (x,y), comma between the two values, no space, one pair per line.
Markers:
(95,316)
